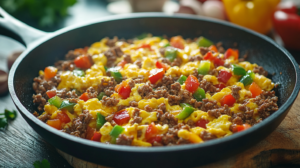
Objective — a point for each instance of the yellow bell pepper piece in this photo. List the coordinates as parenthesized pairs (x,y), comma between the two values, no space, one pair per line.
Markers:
(253,14)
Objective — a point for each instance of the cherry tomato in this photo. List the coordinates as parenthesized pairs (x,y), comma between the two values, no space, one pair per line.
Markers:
(83,62)
(191,83)
(121,117)
(50,72)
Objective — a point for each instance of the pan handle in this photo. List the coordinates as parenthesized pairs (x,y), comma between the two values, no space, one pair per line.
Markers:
(13,28)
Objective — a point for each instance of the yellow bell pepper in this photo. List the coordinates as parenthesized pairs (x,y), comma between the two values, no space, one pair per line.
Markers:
(253,14)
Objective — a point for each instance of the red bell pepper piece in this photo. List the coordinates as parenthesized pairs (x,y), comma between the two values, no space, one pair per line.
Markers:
(51,93)
(50,72)
(213,48)
(90,133)
(228,99)
(83,62)
(55,123)
(177,42)
(216,60)
(145,46)
(156,75)
(157,138)
(84,96)
(161,65)
(242,127)
(151,131)
(202,123)
(122,63)
(123,89)
(220,86)
(121,117)
(191,83)
(224,76)
(63,117)
(287,24)
(255,89)
(96,137)
(231,53)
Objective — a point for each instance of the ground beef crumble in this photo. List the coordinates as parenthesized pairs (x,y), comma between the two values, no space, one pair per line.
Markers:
(79,124)
(260,70)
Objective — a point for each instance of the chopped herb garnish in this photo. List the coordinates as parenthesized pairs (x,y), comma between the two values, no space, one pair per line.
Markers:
(43,164)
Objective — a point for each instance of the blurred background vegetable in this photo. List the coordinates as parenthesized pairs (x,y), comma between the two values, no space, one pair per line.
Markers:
(47,12)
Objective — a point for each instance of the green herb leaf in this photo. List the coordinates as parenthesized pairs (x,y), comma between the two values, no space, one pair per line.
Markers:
(10,114)
(3,122)
(43,164)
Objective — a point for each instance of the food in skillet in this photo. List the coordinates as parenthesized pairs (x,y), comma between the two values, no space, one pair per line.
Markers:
(153,92)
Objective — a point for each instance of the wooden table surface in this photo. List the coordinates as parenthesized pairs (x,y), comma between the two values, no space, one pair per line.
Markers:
(20,145)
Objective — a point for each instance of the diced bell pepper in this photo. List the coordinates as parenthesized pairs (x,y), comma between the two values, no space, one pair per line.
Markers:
(121,117)
(63,117)
(156,75)
(231,53)
(182,79)
(177,42)
(51,93)
(100,96)
(186,112)
(84,96)
(238,70)
(248,78)
(204,67)
(100,121)
(114,72)
(55,101)
(67,105)
(170,53)
(228,99)
(255,89)
(204,42)
(199,94)
(55,123)
(202,123)
(191,83)
(224,76)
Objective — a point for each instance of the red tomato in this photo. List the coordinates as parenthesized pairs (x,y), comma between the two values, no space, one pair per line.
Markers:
(51,93)
(145,46)
(122,63)
(255,89)
(191,83)
(63,117)
(231,52)
(50,72)
(202,123)
(123,89)
(121,117)
(83,62)
(97,136)
(224,76)
(220,86)
(228,99)
(213,48)
(55,123)
(90,132)
(84,97)
(156,75)
(151,131)
(242,127)
(162,65)
(177,42)
(156,138)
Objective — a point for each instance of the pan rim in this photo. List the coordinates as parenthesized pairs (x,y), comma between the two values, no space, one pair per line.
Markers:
(218,141)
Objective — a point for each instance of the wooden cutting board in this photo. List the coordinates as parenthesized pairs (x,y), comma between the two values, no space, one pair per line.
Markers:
(281,147)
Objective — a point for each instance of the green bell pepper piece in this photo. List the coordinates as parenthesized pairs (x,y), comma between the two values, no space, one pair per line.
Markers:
(248,78)
(67,105)
(101,94)
(105,68)
(238,70)
(100,121)
(79,72)
(115,132)
(186,112)
(199,94)
(10,114)
(182,79)
(171,53)
(204,67)
(204,42)
(167,45)
(142,36)
(55,101)
(114,72)
(185,104)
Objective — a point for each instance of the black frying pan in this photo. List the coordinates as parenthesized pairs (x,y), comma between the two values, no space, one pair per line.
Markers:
(52,47)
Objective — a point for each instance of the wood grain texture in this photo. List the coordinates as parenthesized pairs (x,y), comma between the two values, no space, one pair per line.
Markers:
(281,147)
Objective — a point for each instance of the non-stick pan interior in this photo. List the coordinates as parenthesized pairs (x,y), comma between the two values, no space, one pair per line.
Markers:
(259,50)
